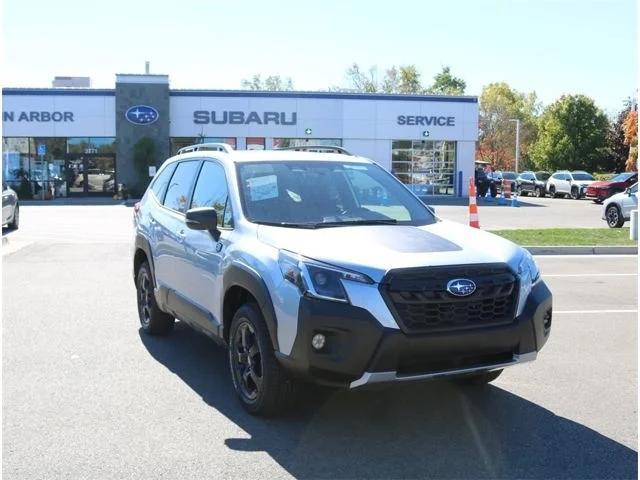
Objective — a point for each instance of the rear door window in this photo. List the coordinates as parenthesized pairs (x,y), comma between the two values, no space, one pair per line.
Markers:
(177,197)
(160,183)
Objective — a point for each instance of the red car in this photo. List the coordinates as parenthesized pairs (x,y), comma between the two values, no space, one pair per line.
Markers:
(600,191)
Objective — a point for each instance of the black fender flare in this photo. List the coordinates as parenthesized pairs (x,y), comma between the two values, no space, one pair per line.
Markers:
(142,243)
(242,276)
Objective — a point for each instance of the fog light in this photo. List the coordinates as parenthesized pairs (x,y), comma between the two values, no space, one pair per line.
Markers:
(318,341)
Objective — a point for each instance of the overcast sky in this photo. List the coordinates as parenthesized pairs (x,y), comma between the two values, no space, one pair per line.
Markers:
(550,46)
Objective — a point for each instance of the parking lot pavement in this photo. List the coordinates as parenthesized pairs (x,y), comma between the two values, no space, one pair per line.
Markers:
(86,395)
(533,213)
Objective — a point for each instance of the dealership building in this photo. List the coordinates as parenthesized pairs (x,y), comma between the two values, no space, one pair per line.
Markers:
(81,141)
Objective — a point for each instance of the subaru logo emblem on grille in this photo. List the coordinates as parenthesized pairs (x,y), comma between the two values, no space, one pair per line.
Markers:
(461,287)
(141,114)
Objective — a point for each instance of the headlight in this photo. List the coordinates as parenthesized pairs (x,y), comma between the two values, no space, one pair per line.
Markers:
(529,274)
(316,279)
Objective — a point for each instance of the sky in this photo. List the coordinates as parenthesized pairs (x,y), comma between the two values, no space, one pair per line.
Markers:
(552,47)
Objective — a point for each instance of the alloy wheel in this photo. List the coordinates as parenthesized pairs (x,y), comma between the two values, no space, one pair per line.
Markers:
(246,361)
(612,216)
(145,290)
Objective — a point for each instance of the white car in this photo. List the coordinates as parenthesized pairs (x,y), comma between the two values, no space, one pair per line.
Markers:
(618,207)
(574,184)
(10,207)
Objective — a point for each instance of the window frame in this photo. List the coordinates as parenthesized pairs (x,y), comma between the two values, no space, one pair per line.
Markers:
(173,165)
(217,162)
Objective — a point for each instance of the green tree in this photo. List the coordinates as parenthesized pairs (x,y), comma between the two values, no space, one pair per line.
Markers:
(572,135)
(272,83)
(617,151)
(444,83)
(499,106)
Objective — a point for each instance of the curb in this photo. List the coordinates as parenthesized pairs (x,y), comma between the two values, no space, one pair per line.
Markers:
(584,250)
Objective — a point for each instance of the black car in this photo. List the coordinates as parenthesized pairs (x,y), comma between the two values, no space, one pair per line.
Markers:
(534,183)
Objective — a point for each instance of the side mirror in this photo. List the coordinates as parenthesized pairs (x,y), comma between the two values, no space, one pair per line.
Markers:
(628,191)
(203,219)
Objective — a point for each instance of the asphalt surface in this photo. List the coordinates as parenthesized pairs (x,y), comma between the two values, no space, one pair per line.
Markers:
(86,395)
(532,213)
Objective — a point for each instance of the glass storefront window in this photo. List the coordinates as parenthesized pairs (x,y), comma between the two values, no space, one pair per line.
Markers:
(102,145)
(427,166)
(78,145)
(300,142)
(16,164)
(255,143)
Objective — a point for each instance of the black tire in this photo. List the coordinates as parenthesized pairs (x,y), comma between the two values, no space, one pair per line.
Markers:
(479,379)
(538,192)
(15,221)
(262,385)
(153,320)
(552,192)
(575,193)
(614,216)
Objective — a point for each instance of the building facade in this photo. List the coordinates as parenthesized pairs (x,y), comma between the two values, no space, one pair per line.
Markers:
(84,141)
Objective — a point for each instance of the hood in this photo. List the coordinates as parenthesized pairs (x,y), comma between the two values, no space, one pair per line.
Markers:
(376,249)
(606,184)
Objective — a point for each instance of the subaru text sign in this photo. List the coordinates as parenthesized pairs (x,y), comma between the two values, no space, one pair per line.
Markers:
(141,115)
(236,117)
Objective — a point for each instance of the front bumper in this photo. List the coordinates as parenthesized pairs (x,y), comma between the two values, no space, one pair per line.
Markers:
(359,351)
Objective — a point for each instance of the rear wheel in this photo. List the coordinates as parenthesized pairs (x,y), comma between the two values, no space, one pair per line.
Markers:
(153,320)
(538,192)
(262,385)
(15,221)
(614,216)
(477,379)
(575,193)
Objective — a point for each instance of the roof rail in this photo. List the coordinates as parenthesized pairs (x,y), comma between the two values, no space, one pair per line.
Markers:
(317,148)
(218,147)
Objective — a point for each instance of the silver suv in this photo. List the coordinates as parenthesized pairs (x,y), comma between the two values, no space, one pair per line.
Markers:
(323,267)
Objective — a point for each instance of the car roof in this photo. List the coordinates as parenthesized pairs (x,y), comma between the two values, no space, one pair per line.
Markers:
(243,156)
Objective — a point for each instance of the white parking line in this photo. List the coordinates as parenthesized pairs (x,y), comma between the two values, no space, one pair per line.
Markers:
(594,311)
(589,275)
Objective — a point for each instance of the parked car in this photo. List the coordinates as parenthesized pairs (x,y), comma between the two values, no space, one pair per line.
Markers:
(288,260)
(617,208)
(566,183)
(10,207)
(534,183)
(600,191)
(511,177)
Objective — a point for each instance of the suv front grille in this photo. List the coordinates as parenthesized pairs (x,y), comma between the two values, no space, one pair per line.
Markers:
(420,303)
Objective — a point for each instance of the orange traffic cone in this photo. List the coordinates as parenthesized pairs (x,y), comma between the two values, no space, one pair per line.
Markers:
(473,206)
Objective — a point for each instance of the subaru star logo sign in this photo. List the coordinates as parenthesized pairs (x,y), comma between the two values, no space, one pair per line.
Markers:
(461,287)
(141,114)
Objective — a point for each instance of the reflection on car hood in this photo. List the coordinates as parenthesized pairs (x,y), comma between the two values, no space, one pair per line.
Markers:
(376,249)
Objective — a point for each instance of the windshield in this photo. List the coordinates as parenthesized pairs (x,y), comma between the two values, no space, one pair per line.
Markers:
(543,175)
(316,194)
(581,176)
(623,177)
(509,175)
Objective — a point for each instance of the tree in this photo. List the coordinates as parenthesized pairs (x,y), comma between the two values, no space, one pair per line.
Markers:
(572,135)
(272,83)
(499,105)
(617,151)
(444,83)
(630,127)
(404,79)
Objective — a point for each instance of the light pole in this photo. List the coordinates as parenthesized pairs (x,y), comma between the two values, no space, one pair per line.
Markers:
(517,120)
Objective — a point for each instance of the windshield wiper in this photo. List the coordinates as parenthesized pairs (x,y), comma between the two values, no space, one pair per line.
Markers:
(288,224)
(347,223)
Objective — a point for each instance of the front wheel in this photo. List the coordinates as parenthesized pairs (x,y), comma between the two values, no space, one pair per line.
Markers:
(15,221)
(614,217)
(552,192)
(259,380)
(575,193)
(538,192)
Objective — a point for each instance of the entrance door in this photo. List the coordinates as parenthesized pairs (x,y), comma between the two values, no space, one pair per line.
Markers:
(91,174)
